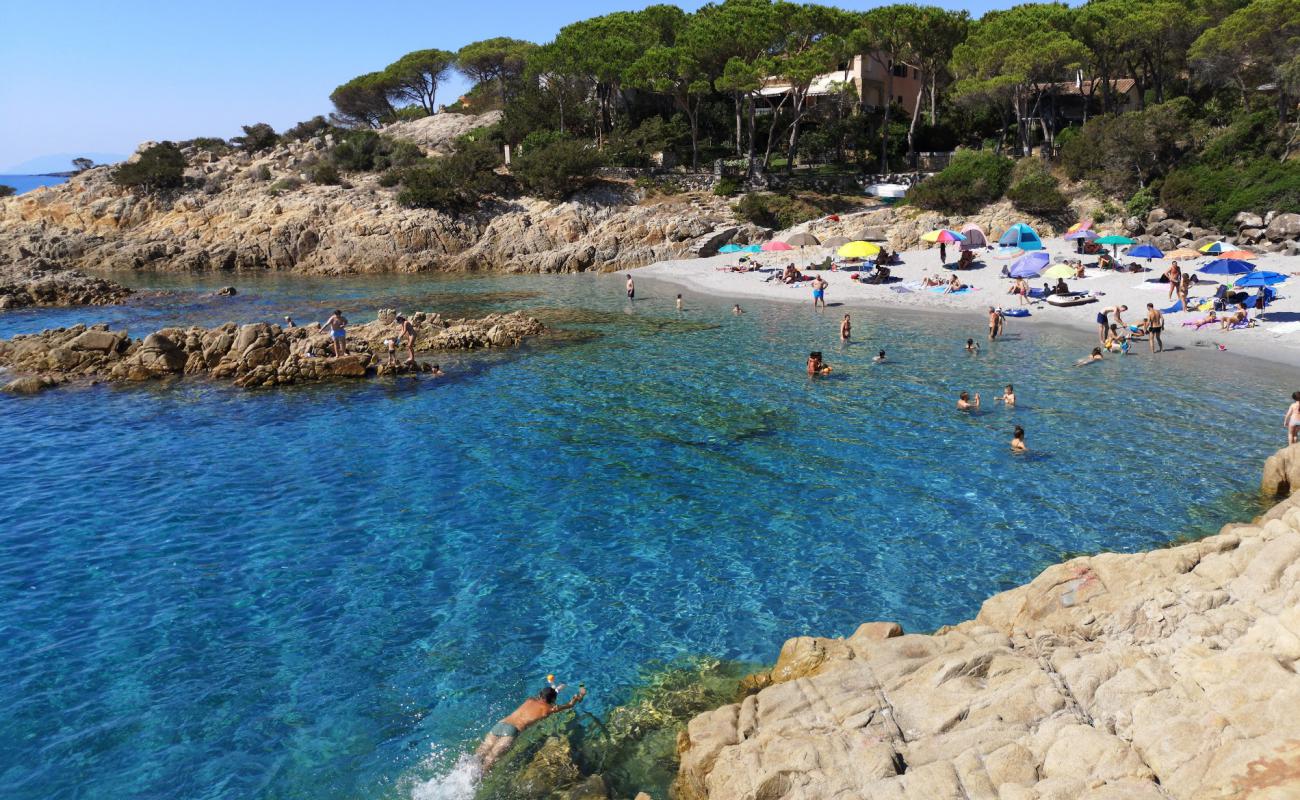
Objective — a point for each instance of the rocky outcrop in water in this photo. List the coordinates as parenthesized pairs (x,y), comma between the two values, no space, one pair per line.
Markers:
(253,212)
(1167,674)
(253,355)
(26,280)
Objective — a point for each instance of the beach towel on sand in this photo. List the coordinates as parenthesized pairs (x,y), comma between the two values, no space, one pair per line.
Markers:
(944,290)
(1175,307)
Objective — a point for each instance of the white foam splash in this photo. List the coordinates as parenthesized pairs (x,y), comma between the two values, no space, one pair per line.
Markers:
(458,783)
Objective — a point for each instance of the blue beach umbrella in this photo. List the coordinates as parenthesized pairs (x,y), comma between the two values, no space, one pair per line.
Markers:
(752,248)
(729,248)
(1227,266)
(1028,266)
(1261,279)
(1147,251)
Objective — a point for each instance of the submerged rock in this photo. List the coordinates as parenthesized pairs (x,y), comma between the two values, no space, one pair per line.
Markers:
(1168,674)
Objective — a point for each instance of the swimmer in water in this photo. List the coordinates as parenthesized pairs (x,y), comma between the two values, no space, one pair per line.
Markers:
(1018,440)
(964,402)
(535,709)
(1008,397)
(816,366)
(1095,356)
(737,310)
(879,358)
(971,347)
(679,302)
(437,371)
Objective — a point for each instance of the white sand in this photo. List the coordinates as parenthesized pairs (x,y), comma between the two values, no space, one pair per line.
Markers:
(1277,338)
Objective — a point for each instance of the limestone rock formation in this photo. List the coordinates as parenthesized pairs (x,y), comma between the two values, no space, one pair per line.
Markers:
(27,280)
(1163,675)
(252,355)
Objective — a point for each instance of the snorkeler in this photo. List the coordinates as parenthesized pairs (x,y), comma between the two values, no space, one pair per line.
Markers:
(535,709)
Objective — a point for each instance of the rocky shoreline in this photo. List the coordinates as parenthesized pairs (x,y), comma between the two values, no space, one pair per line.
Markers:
(1166,674)
(27,280)
(252,355)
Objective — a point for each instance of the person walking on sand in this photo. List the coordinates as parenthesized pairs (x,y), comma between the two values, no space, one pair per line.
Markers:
(337,325)
(1155,326)
(533,710)
(1175,276)
(1184,288)
(819,292)
(965,403)
(631,288)
(1103,320)
(1018,440)
(846,328)
(1292,420)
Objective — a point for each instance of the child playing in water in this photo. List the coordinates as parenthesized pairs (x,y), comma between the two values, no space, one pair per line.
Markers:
(1018,440)
(971,347)
(816,366)
(1008,397)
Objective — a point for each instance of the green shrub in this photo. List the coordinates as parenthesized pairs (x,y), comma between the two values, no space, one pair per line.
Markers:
(283,185)
(210,144)
(1141,203)
(780,210)
(366,151)
(390,177)
(1035,190)
(1248,137)
(408,113)
(727,187)
(633,147)
(310,129)
(557,169)
(971,181)
(7,190)
(159,167)
(262,173)
(256,138)
(326,173)
(1211,196)
(459,181)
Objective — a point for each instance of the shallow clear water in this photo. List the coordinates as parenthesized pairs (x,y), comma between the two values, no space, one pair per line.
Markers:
(328,592)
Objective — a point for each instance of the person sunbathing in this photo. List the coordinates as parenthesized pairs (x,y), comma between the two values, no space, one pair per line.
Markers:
(933,280)
(1105,261)
(954,285)
(1208,319)
(1238,317)
(1078,269)
(791,274)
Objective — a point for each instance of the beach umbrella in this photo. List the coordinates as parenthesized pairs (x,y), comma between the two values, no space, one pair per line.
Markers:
(1227,266)
(859,250)
(836,241)
(803,240)
(871,235)
(1241,254)
(1147,251)
(1184,252)
(1081,225)
(1261,279)
(1115,242)
(1029,266)
(751,248)
(1215,248)
(1059,271)
(943,236)
(1081,234)
(1004,253)
(730,248)
(775,245)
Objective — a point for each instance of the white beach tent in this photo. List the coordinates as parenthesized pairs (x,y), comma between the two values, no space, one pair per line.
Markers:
(974,237)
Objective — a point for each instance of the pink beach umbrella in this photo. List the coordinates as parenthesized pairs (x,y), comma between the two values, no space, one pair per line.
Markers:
(776,245)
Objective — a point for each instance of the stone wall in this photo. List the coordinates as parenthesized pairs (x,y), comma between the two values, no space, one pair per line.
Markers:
(1167,674)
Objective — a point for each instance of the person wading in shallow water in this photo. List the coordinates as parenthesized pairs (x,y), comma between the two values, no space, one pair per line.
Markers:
(533,710)
(631,288)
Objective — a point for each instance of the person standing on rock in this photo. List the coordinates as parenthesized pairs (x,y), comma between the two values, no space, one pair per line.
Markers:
(1292,420)
(406,331)
(533,710)
(338,325)
(631,288)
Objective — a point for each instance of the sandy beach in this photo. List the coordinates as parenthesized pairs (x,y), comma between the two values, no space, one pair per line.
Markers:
(1276,338)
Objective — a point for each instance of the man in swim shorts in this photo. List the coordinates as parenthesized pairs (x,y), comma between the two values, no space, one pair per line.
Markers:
(533,710)
(1155,326)
(337,325)
(819,292)
(1103,320)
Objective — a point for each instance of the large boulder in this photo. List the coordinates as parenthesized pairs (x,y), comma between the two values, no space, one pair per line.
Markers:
(1282,472)
(1283,226)
(1246,219)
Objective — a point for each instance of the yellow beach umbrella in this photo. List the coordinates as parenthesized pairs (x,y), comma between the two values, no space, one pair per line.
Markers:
(1058,271)
(858,250)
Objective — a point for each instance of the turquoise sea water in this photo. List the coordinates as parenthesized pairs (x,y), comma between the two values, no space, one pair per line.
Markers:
(25,183)
(330,591)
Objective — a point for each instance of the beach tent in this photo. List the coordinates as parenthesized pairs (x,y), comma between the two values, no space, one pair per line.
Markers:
(1022,236)
(1004,253)
(1029,266)
(974,237)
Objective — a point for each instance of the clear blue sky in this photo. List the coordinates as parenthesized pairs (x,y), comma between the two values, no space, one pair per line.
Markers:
(99,76)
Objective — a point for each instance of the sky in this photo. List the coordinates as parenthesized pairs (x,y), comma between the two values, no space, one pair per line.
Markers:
(94,77)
